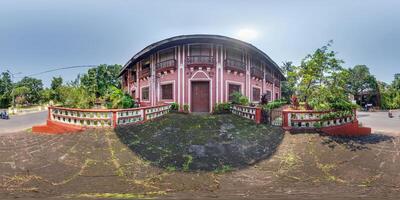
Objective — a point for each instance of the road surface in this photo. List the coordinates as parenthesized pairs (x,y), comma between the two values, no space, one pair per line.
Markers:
(380,122)
(22,122)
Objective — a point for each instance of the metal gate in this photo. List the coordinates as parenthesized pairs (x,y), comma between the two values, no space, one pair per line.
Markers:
(272,117)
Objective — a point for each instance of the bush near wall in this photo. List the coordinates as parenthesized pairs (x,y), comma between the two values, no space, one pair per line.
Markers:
(222,108)
(275,104)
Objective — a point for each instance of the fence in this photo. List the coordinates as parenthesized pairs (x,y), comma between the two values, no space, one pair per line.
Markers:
(253,113)
(105,117)
(312,120)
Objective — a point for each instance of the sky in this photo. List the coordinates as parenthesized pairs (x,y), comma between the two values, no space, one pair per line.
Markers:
(41,35)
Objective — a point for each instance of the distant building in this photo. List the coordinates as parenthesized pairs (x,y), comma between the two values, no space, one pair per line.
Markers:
(200,71)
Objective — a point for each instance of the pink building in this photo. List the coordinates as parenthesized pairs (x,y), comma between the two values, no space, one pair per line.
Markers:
(200,71)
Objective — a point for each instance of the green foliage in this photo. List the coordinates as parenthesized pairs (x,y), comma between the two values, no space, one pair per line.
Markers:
(20,95)
(288,86)
(321,81)
(221,108)
(186,107)
(5,89)
(223,169)
(236,97)
(390,95)
(275,104)
(188,161)
(98,80)
(174,106)
(336,114)
(244,101)
(76,97)
(116,98)
(35,87)
(56,83)
(360,80)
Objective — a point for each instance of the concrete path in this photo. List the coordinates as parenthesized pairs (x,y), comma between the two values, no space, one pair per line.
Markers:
(22,122)
(380,122)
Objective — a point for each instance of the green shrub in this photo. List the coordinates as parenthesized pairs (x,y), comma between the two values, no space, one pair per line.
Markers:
(221,108)
(236,97)
(174,106)
(275,104)
(244,101)
(186,108)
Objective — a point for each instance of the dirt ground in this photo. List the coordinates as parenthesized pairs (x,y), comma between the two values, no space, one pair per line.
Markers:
(97,165)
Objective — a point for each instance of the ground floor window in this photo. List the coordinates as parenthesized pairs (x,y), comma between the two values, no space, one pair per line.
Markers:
(232,88)
(167,92)
(145,93)
(256,94)
(276,96)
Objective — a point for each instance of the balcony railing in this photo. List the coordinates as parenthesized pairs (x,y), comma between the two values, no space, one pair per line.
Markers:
(269,78)
(166,65)
(277,82)
(200,60)
(257,72)
(236,65)
(144,73)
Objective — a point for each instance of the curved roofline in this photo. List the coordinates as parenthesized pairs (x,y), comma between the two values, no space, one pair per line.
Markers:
(183,39)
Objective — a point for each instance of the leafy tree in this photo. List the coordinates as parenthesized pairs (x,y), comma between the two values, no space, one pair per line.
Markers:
(360,80)
(35,87)
(396,81)
(75,97)
(288,86)
(56,83)
(20,94)
(316,71)
(98,80)
(5,89)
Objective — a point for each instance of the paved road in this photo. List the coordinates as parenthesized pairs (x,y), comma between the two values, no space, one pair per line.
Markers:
(380,122)
(22,122)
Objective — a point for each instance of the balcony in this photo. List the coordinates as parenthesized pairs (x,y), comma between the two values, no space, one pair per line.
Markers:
(200,60)
(256,72)
(144,73)
(166,65)
(235,65)
(269,78)
(277,82)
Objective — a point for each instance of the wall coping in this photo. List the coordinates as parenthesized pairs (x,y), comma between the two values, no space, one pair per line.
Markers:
(105,110)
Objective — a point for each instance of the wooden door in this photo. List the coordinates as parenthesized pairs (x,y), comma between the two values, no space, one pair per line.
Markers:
(200,96)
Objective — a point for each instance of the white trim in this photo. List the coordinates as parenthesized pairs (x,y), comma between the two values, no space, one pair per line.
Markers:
(183,74)
(227,82)
(160,92)
(190,88)
(141,96)
(251,97)
(179,74)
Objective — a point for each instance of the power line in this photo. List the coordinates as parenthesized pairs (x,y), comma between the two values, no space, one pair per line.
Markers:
(58,69)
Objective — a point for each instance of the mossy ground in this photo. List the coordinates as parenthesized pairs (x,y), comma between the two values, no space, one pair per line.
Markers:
(201,142)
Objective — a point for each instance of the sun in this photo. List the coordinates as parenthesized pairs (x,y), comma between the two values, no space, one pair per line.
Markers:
(247,34)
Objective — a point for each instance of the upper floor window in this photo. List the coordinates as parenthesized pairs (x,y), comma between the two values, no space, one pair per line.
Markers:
(200,50)
(234,53)
(167,54)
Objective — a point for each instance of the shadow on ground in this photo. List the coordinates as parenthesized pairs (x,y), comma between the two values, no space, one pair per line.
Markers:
(355,143)
(201,142)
